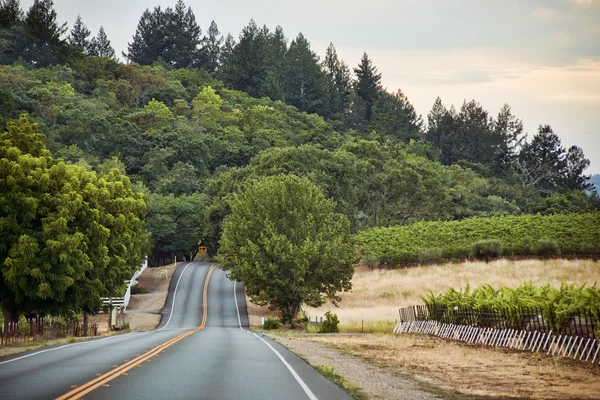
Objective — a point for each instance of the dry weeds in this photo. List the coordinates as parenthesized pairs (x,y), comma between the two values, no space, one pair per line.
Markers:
(377,294)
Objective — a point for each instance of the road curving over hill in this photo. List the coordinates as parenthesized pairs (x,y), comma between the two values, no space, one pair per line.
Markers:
(201,349)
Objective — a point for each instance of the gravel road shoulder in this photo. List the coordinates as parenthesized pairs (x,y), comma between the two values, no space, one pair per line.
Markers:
(376,382)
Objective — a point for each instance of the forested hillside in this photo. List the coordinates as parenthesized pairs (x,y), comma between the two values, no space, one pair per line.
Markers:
(191,118)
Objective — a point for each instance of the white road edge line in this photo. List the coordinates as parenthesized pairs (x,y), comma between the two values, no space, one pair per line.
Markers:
(62,347)
(236,305)
(307,390)
(302,384)
(174,298)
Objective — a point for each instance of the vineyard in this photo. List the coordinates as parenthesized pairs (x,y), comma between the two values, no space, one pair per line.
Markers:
(566,234)
(556,309)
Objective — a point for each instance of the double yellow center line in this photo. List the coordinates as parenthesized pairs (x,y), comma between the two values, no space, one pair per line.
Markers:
(102,380)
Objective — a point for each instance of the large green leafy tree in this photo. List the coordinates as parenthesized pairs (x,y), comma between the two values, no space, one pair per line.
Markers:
(284,242)
(175,225)
(24,184)
(68,236)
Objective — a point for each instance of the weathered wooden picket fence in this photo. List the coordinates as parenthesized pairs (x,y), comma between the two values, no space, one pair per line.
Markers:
(43,327)
(528,329)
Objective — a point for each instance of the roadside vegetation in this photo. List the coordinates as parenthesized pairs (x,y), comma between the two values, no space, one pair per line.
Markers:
(113,160)
(378,293)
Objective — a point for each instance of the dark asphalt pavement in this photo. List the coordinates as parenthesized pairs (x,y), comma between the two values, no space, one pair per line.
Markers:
(223,361)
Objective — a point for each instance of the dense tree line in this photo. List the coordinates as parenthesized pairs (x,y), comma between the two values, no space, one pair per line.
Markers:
(69,235)
(194,119)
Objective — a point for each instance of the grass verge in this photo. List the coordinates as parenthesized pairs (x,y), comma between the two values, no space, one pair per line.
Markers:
(354,389)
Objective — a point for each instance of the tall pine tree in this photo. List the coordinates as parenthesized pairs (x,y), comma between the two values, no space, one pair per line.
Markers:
(395,119)
(248,65)
(338,83)
(303,78)
(79,35)
(41,20)
(367,85)
(100,45)
(172,36)
(211,45)
(10,13)
(509,130)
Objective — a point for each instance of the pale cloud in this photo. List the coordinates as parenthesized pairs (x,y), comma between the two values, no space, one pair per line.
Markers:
(585,1)
(565,96)
(545,13)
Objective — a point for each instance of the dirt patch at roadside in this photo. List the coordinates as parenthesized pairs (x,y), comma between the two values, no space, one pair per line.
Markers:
(422,367)
(478,371)
(143,312)
(256,313)
(375,381)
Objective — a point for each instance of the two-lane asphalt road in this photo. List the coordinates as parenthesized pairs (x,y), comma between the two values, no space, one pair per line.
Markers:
(201,350)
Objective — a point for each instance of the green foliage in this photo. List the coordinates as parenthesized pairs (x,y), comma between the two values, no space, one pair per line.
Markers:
(137,289)
(557,304)
(284,242)
(69,235)
(369,260)
(175,225)
(330,325)
(271,323)
(574,233)
(355,391)
(545,248)
(169,35)
(430,254)
(484,249)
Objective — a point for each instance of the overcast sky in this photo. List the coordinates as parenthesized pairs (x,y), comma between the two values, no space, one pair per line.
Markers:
(542,57)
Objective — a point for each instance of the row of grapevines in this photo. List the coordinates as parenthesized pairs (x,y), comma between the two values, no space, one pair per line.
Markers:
(574,234)
(555,304)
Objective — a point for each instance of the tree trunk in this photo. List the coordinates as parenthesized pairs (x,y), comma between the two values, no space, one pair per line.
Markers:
(9,316)
(85,324)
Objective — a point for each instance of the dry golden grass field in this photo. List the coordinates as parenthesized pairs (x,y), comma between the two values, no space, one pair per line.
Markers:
(447,367)
(377,294)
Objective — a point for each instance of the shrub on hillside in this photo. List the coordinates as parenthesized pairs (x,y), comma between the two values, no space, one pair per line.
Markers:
(485,249)
(546,248)
(369,260)
(271,323)
(431,254)
(137,289)
(330,325)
